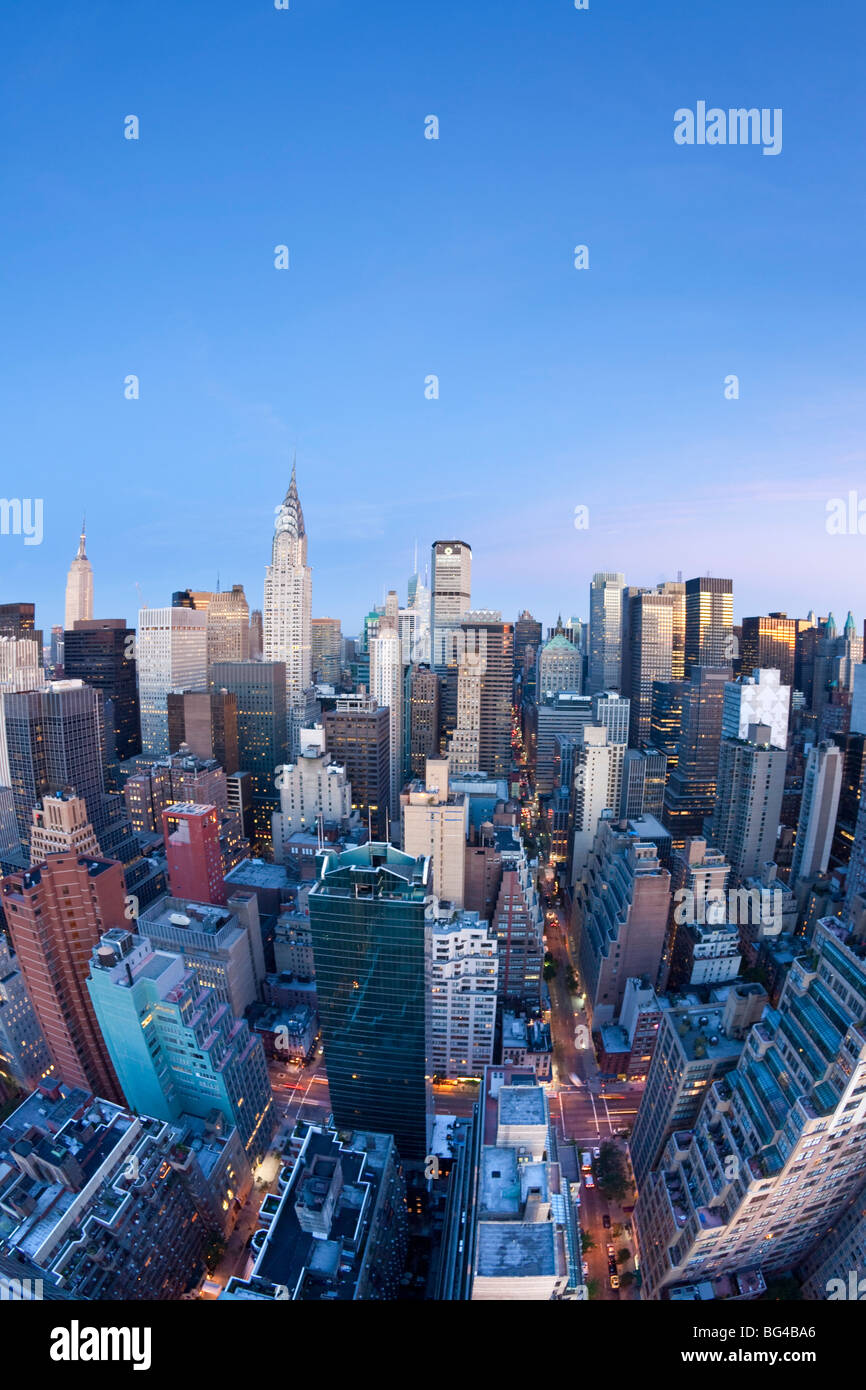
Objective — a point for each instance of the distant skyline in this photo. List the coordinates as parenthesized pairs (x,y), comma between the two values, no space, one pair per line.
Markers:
(411,257)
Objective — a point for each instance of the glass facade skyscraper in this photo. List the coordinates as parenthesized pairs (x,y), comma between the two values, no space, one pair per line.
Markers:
(372,943)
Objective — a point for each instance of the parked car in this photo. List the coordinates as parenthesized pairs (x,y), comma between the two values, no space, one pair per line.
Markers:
(605,1221)
(614,1281)
(610,1252)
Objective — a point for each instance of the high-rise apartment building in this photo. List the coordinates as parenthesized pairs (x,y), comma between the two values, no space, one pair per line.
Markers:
(744,822)
(172,655)
(464,979)
(222,945)
(776,1151)
(822,787)
(759,698)
(621,915)
(79,587)
(102,654)
(288,610)
(435,825)
(175,1047)
(697,1044)
(517,922)
(357,734)
(605,631)
(259,688)
(327,650)
(709,622)
(56,912)
(372,945)
(591,788)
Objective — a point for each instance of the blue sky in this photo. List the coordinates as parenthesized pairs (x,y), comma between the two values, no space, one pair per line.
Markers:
(410,257)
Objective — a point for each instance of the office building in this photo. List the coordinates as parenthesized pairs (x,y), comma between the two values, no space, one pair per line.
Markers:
(560,667)
(644,775)
(464,981)
(172,655)
(691,791)
(697,1044)
(770,643)
(339,1231)
(60,826)
(256,635)
(24,1053)
(666,719)
(55,914)
(709,623)
(372,947)
(527,643)
(79,587)
(102,654)
(647,654)
(156,1020)
(55,739)
(228,626)
(621,914)
(260,690)
(327,650)
(221,945)
(563,715)
(517,922)
(423,718)
(774,1158)
(435,825)
(357,734)
(288,610)
(451,597)
(605,631)
(20,670)
(206,721)
(386,688)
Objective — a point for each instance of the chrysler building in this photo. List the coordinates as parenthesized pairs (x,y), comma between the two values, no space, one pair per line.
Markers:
(288,612)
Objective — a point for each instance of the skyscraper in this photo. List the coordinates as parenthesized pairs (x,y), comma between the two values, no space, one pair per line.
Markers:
(79,587)
(172,655)
(386,687)
(327,647)
(102,654)
(435,825)
(260,690)
(207,722)
(192,847)
(357,736)
(60,826)
(491,642)
(423,718)
(20,669)
(745,818)
(56,913)
(450,599)
(228,626)
(771,642)
(605,631)
(371,934)
(288,609)
(650,654)
(691,790)
(709,622)
(822,787)
(560,666)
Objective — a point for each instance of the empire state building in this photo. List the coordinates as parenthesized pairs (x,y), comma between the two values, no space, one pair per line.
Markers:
(79,587)
(288,610)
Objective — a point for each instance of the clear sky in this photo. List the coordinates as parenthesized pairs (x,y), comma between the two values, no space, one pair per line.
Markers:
(409,257)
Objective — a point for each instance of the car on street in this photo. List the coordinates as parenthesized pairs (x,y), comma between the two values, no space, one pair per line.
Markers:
(614,1281)
(610,1252)
(605,1221)
(587,1178)
(596,1153)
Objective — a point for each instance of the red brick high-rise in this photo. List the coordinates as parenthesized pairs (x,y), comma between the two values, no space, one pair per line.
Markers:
(192,847)
(56,912)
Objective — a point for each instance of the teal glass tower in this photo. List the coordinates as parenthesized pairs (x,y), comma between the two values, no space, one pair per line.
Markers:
(372,948)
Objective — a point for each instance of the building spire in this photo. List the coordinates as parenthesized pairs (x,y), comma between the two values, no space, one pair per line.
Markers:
(82,553)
